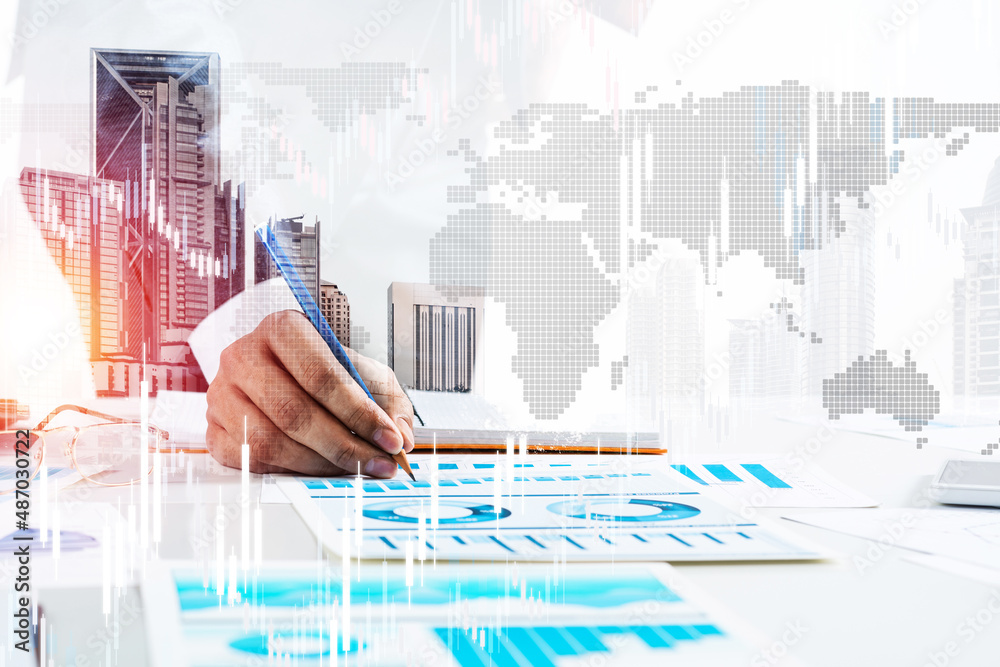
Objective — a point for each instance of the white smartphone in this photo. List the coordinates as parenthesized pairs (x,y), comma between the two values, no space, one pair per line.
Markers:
(968,483)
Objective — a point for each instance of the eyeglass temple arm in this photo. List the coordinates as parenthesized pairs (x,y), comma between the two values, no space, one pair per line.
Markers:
(93,413)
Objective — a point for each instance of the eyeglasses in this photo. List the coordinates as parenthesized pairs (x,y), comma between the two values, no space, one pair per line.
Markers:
(109,453)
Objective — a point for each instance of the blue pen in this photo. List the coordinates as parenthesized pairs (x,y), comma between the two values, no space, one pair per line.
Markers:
(266,235)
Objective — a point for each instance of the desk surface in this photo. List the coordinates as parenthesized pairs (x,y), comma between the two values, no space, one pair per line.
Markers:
(894,612)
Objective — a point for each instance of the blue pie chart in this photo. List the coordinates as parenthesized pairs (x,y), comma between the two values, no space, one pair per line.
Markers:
(667,511)
(389,511)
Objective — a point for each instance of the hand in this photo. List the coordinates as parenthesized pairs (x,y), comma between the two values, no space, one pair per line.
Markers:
(300,410)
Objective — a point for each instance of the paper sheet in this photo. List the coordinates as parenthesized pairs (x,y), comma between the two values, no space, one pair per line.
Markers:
(455,410)
(971,535)
(451,615)
(773,482)
(182,414)
(270,494)
(960,568)
(59,476)
(455,420)
(967,432)
(534,508)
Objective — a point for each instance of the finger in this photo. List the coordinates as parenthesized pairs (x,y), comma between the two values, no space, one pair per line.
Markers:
(269,446)
(388,394)
(407,432)
(226,450)
(236,360)
(306,356)
(305,421)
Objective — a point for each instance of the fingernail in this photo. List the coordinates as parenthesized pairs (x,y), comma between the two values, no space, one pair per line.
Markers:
(379,467)
(407,432)
(388,440)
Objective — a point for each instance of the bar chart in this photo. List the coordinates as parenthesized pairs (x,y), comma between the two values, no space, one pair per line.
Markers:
(540,511)
(546,646)
(513,615)
(773,483)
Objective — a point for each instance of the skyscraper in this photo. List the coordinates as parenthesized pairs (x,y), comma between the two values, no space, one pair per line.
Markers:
(436,337)
(765,358)
(79,219)
(977,298)
(155,123)
(682,327)
(838,296)
(337,311)
(302,245)
(666,343)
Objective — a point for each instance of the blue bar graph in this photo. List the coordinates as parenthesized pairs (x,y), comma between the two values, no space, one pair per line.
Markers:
(542,646)
(722,473)
(465,652)
(556,640)
(371,486)
(678,632)
(587,639)
(690,474)
(523,642)
(502,656)
(649,635)
(765,476)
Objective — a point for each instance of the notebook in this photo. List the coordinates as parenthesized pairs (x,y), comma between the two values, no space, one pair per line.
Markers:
(451,421)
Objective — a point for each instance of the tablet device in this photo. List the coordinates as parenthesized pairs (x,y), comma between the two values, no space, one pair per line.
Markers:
(968,483)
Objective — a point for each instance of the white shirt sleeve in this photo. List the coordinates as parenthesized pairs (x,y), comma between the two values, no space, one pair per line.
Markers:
(235,319)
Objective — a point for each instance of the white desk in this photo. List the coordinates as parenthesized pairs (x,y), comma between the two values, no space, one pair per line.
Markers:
(894,613)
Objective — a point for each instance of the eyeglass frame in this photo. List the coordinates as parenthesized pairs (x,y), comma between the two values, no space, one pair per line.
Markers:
(110,420)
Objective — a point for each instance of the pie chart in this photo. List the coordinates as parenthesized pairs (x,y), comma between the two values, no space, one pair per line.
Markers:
(635,510)
(452,511)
